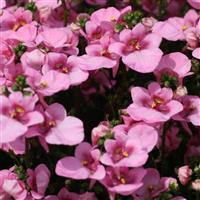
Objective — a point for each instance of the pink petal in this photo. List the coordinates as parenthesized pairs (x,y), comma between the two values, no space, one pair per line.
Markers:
(70,167)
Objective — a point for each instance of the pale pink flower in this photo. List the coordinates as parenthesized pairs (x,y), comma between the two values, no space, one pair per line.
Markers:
(84,165)
(38,180)
(157,103)
(135,45)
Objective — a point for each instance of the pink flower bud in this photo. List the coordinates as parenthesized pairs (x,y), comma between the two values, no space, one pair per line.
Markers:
(184,174)
(196,185)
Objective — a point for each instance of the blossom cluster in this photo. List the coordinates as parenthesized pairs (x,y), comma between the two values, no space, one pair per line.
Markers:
(99,99)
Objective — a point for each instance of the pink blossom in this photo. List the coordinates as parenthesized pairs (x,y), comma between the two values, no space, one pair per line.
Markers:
(174,28)
(174,64)
(130,150)
(57,127)
(100,131)
(191,111)
(98,55)
(49,83)
(6,54)
(194,3)
(123,181)
(84,165)
(184,174)
(38,180)
(67,66)
(18,111)
(153,185)
(57,38)
(34,59)
(11,186)
(156,102)
(134,45)
(196,185)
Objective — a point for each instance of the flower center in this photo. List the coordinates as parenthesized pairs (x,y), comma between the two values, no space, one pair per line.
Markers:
(18,25)
(43,85)
(184,27)
(157,101)
(19,110)
(122,180)
(52,123)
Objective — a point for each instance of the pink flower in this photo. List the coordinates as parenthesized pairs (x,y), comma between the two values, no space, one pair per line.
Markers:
(123,181)
(194,3)
(57,38)
(174,64)
(65,194)
(49,83)
(196,185)
(67,66)
(153,185)
(84,165)
(135,45)
(57,127)
(98,55)
(34,59)
(191,111)
(157,103)
(174,28)
(11,186)
(6,54)
(184,174)
(100,131)
(130,150)
(38,180)
(109,14)
(18,110)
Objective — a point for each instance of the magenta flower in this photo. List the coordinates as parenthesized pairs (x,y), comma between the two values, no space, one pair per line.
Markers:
(157,103)
(153,185)
(123,181)
(84,165)
(135,45)
(130,150)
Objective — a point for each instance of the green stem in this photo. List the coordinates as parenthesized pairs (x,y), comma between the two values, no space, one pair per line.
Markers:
(65,14)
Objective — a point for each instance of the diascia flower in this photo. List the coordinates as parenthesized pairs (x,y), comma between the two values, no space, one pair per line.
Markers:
(174,28)
(123,181)
(84,165)
(11,186)
(67,66)
(38,180)
(58,128)
(17,110)
(157,103)
(135,45)
(153,185)
(130,150)
(175,65)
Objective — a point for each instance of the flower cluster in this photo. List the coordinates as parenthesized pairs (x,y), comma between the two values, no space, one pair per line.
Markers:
(127,72)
